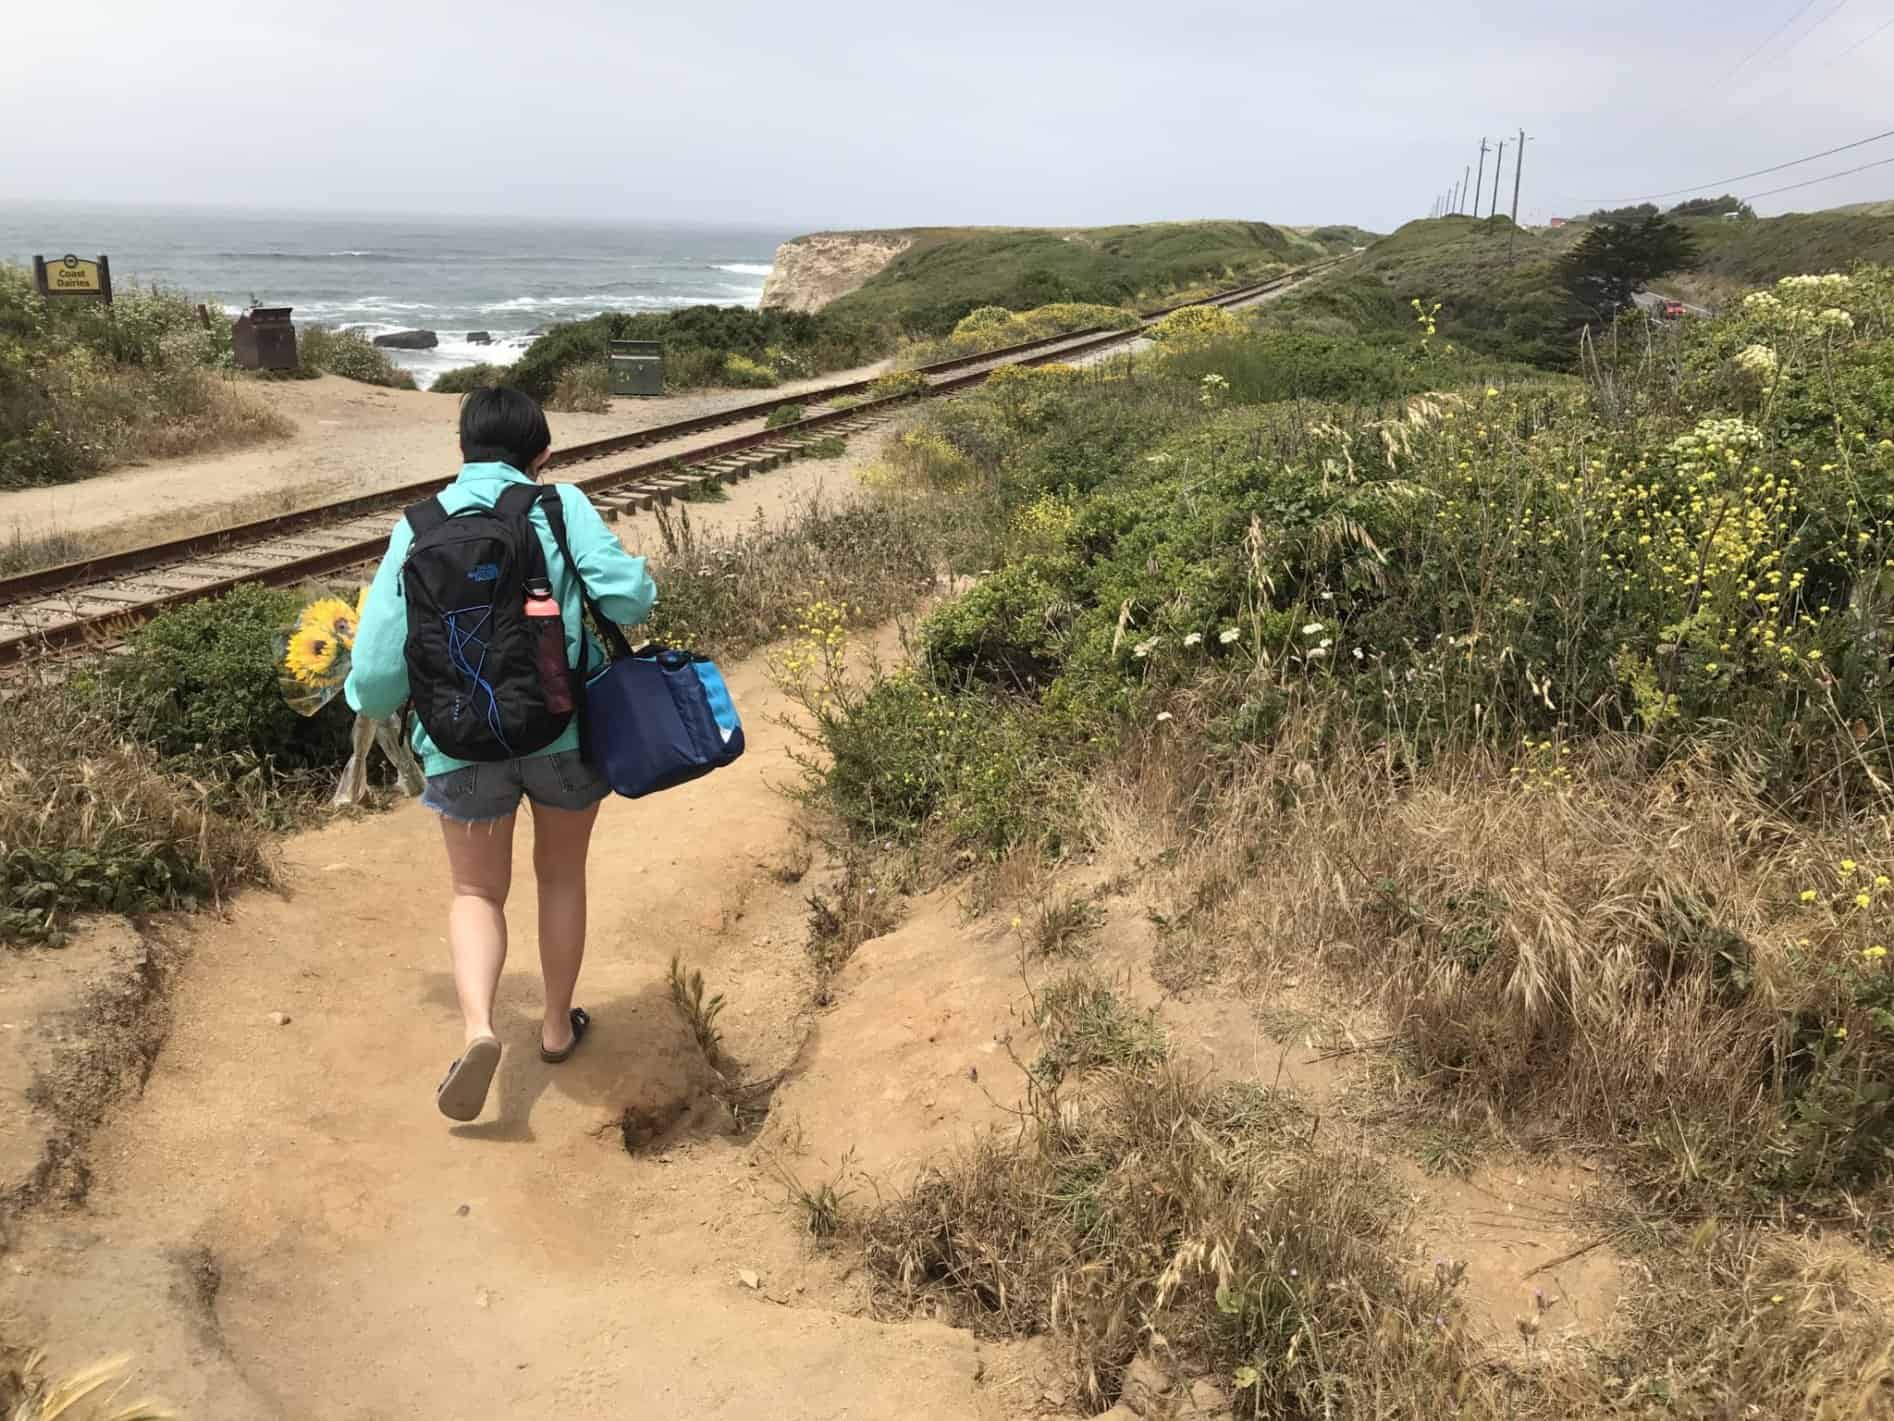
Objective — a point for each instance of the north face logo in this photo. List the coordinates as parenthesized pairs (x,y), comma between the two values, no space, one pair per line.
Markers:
(485,572)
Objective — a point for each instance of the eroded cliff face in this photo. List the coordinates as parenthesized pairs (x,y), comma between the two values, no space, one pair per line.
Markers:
(812,271)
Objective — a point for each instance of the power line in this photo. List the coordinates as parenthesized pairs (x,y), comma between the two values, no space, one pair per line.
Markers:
(1774,35)
(1827,64)
(1826,177)
(1744,177)
(1813,28)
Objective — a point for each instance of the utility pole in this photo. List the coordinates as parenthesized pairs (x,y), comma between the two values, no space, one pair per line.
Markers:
(1463,187)
(1453,199)
(1519,155)
(1498,163)
(1480,181)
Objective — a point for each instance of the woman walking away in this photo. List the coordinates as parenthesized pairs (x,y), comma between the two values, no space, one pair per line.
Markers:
(476,613)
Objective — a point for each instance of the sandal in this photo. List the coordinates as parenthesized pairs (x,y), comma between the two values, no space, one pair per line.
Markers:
(462,1094)
(580,1021)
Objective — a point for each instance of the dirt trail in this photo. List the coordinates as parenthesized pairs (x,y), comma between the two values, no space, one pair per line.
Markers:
(282,1225)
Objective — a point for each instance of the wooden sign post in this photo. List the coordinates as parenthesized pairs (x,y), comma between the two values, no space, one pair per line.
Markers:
(74,276)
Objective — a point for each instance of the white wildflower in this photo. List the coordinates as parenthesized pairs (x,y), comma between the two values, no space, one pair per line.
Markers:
(1194,639)
(1228,635)
(1312,629)
(1144,648)
(1163,716)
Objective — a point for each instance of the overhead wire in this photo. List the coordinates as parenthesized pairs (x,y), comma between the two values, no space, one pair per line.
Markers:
(1774,35)
(1744,177)
(1826,177)
(1771,95)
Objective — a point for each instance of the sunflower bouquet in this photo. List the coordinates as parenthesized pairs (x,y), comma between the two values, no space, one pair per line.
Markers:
(313,657)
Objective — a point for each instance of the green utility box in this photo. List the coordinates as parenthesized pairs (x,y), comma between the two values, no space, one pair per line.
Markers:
(637,367)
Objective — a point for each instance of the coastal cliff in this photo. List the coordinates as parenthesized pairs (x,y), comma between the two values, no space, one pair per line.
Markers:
(812,271)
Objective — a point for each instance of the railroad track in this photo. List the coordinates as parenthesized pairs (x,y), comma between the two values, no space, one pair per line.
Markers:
(94,602)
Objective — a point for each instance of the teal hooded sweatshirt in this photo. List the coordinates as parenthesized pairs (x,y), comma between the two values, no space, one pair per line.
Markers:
(378,680)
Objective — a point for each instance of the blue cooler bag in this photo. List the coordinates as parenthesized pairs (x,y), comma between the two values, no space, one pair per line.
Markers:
(652,718)
(658,717)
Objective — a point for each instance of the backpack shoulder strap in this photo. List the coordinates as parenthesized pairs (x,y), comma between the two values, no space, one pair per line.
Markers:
(426,516)
(517,500)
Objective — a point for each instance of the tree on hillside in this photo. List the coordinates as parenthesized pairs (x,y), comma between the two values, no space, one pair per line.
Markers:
(1623,214)
(1615,260)
(1724,206)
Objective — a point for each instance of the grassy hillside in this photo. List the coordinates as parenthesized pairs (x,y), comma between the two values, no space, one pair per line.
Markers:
(949,272)
(1496,296)
(1774,247)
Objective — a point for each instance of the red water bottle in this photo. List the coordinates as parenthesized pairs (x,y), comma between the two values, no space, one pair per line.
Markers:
(547,626)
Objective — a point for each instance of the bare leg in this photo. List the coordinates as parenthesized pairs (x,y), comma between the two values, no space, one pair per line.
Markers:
(480,860)
(561,838)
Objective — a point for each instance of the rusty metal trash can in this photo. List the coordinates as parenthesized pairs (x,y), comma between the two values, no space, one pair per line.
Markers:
(264,339)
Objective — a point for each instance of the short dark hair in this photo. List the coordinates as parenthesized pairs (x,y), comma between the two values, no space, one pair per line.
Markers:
(501,425)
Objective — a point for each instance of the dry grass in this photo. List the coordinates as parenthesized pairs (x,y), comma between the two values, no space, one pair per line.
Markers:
(124,412)
(1625,956)
(582,389)
(1742,1322)
(90,821)
(1141,1202)
(1228,1232)
(853,909)
(89,1394)
(23,552)
(20,553)
(698,1013)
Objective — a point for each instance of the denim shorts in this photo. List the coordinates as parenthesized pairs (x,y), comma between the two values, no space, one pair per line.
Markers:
(478,794)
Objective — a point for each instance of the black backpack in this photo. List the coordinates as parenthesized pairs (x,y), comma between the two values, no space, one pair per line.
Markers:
(471,650)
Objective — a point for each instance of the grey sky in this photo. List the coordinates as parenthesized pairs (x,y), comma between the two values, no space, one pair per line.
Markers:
(991,111)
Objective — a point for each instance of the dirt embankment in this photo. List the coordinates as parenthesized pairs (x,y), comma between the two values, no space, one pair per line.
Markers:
(812,271)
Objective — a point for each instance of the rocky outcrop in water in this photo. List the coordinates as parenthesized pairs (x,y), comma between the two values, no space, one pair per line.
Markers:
(812,271)
(408,340)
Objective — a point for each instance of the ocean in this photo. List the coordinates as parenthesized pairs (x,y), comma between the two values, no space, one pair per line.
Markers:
(382,274)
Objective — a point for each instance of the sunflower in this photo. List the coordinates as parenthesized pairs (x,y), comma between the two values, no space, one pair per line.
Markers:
(324,631)
(311,653)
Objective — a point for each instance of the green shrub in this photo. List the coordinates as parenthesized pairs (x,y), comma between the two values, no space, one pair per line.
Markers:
(582,389)
(1191,326)
(783,415)
(902,757)
(1300,365)
(469,378)
(201,682)
(897,382)
(991,327)
(84,386)
(1006,630)
(747,374)
(351,355)
(697,343)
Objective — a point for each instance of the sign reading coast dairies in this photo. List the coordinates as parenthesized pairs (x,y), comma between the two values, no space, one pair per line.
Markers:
(73,276)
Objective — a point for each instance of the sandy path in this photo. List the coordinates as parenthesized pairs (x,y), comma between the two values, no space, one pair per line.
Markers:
(350,439)
(283,1225)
